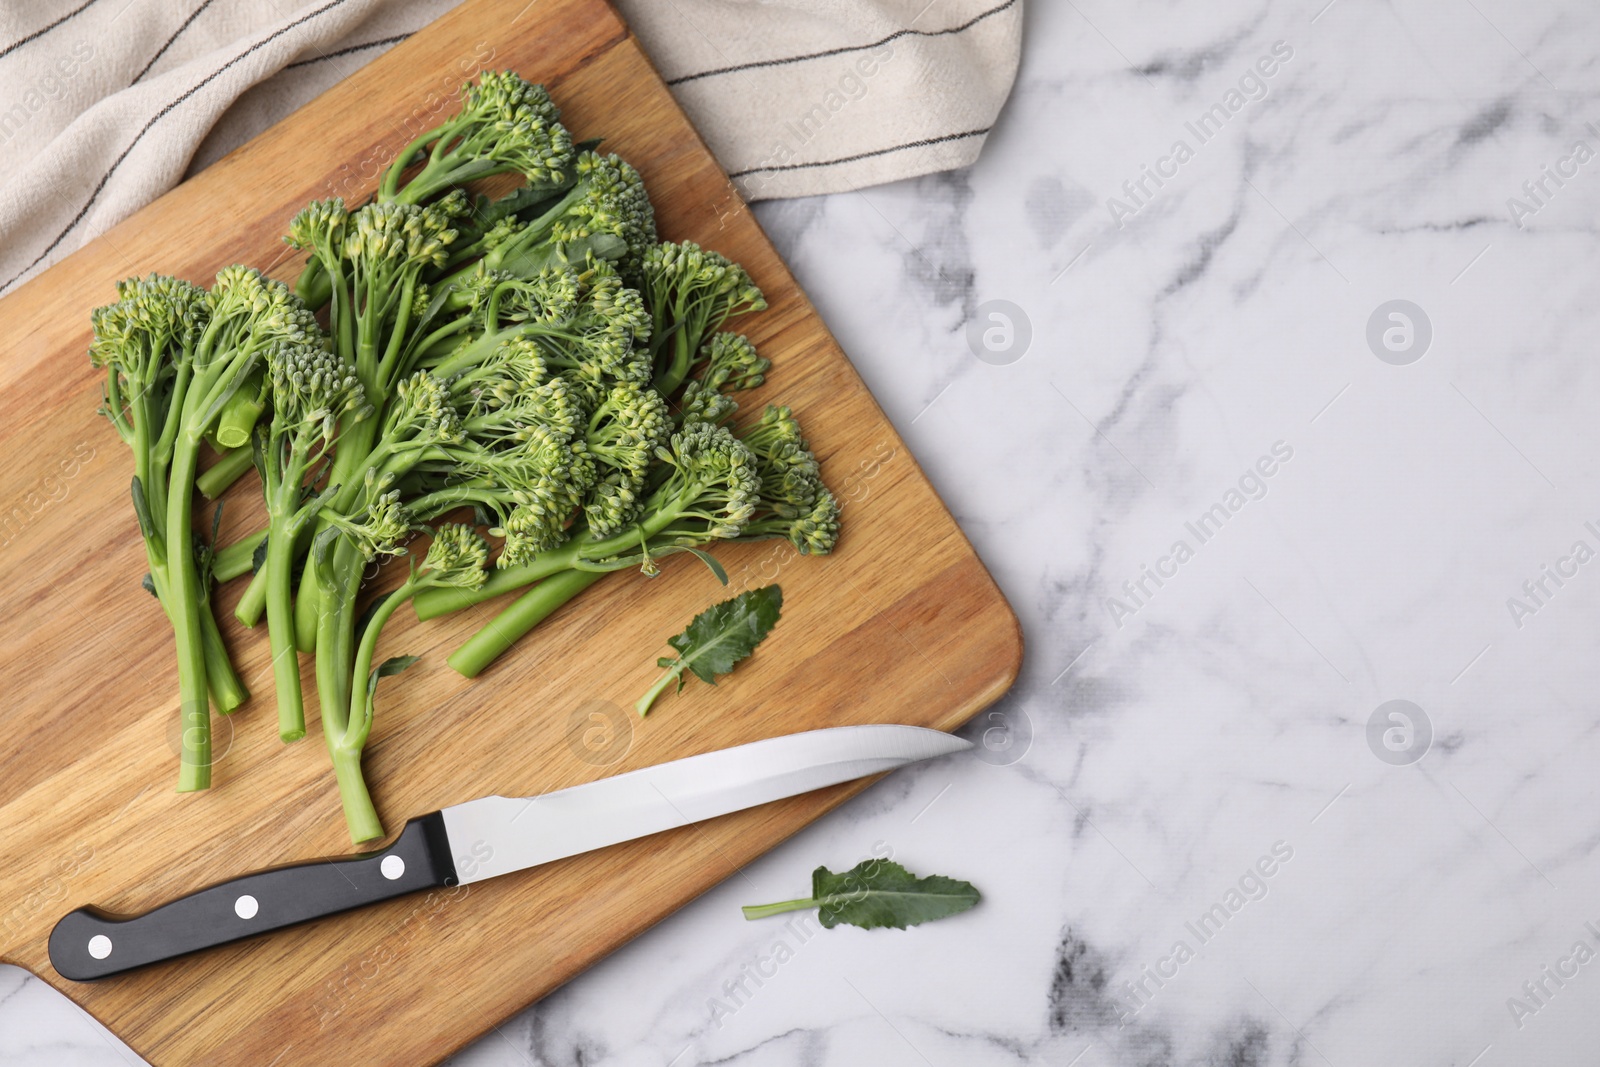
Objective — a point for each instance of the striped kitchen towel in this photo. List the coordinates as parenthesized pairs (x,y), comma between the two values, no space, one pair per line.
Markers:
(105,104)
(819,96)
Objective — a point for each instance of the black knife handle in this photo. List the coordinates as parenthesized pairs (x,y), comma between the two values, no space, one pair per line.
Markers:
(89,943)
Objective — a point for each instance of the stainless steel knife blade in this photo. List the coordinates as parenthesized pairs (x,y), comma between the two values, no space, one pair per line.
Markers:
(496,835)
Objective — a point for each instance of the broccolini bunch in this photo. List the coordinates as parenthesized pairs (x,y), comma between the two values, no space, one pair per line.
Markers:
(176,355)
(539,359)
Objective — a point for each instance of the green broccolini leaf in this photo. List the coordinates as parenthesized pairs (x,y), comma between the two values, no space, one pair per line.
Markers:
(141,510)
(716,568)
(390,666)
(877,893)
(717,639)
(726,633)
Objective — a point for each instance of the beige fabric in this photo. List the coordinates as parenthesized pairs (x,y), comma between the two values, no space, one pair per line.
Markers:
(821,96)
(105,104)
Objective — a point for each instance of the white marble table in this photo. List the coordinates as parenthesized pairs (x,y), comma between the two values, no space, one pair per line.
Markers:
(1215,848)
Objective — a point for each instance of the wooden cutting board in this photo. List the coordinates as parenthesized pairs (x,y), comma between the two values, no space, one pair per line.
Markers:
(901,624)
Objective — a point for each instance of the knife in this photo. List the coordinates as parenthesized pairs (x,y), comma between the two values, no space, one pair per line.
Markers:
(488,837)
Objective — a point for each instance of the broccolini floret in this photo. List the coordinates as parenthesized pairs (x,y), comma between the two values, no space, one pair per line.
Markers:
(729,363)
(505,125)
(691,292)
(795,504)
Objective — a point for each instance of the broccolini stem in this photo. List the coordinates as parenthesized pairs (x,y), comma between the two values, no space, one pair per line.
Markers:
(586,560)
(359,814)
(277,570)
(677,370)
(528,611)
(238,558)
(184,594)
(253,601)
(227,689)
(360,721)
(194,755)
(313,286)
(388,366)
(672,674)
(431,603)
(430,506)
(348,471)
(531,234)
(341,316)
(169,429)
(335,642)
(307,608)
(389,189)
(579,552)
(335,638)
(215,479)
(154,490)
(761,911)
(242,410)
(470,355)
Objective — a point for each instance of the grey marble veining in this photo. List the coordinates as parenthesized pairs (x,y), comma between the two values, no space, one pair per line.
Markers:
(1243,502)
